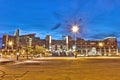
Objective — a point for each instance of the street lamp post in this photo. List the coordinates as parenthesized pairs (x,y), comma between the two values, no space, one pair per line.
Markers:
(11,44)
(75,29)
(101,45)
(1,55)
(17,56)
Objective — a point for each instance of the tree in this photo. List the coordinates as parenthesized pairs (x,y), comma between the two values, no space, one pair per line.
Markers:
(40,50)
(28,51)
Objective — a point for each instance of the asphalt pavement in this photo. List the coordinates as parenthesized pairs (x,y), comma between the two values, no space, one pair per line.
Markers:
(62,68)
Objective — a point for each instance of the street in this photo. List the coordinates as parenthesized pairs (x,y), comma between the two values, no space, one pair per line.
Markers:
(62,68)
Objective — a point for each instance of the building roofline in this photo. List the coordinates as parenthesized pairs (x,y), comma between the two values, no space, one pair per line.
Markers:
(109,37)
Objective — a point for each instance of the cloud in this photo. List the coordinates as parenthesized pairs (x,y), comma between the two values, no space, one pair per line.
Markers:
(103,35)
(56,26)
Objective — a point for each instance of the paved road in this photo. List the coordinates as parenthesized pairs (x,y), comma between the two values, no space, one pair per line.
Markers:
(65,68)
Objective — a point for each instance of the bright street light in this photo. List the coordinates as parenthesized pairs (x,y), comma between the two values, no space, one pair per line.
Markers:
(75,28)
(101,44)
(10,43)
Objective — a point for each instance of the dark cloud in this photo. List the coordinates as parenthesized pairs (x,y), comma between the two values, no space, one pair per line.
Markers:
(56,26)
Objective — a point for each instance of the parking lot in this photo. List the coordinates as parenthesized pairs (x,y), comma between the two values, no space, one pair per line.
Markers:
(63,68)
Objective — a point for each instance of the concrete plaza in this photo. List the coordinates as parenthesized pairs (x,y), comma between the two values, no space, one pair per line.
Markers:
(62,68)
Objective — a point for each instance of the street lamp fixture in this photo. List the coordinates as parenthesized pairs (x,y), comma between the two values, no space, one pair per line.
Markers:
(75,30)
(10,43)
(101,45)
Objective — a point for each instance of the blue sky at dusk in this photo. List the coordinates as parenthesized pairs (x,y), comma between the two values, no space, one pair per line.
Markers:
(97,18)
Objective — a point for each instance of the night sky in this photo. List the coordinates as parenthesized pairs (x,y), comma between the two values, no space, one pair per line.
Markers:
(97,19)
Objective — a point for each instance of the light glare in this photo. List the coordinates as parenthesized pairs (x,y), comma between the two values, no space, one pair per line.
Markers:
(10,43)
(75,29)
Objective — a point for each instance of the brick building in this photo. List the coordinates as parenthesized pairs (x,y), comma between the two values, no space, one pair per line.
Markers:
(107,46)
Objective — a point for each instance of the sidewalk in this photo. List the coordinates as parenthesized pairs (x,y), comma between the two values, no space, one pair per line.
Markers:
(9,60)
(6,60)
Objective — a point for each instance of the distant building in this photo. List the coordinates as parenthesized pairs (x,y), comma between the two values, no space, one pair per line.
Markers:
(107,46)
(20,41)
(58,44)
